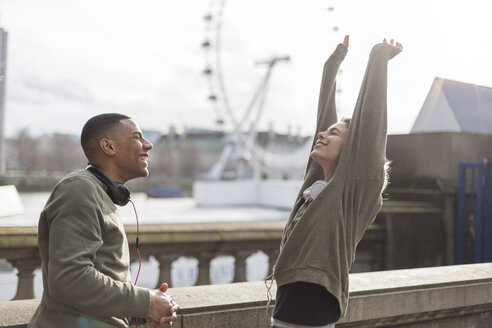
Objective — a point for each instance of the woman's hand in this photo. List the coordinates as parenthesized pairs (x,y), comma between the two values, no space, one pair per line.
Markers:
(394,49)
(392,42)
(346,41)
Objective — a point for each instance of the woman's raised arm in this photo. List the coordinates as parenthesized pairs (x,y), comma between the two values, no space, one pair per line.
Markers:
(327,113)
(364,151)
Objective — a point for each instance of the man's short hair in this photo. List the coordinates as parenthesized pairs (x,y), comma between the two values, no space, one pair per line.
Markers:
(96,128)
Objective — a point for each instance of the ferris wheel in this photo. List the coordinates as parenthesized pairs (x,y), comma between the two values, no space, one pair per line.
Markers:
(240,149)
(214,68)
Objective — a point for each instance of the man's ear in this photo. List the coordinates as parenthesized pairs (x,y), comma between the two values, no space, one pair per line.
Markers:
(107,146)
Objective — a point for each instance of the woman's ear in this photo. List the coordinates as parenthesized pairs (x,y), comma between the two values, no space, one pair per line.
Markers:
(107,146)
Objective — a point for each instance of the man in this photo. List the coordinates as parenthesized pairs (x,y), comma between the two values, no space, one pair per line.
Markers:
(82,241)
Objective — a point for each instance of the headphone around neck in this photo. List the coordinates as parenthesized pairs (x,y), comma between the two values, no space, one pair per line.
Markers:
(119,193)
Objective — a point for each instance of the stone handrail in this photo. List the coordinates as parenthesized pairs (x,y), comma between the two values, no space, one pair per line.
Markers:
(439,297)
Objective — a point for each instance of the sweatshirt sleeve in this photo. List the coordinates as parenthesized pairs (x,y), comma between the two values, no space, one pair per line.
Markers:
(327,114)
(75,236)
(364,151)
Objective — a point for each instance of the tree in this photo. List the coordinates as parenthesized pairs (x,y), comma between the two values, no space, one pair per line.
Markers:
(188,159)
(26,149)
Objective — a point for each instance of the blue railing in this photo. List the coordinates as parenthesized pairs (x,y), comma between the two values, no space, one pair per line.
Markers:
(474,217)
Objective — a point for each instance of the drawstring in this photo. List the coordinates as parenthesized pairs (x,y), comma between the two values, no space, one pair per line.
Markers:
(268,285)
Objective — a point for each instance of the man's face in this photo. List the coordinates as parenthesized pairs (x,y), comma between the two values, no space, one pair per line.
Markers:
(329,144)
(132,151)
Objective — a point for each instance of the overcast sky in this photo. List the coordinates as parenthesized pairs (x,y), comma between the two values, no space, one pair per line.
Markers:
(70,60)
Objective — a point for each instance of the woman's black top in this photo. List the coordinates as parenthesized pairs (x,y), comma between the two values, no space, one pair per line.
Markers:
(304,303)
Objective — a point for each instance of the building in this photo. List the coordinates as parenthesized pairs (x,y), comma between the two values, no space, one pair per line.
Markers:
(3,68)
(453,106)
(193,152)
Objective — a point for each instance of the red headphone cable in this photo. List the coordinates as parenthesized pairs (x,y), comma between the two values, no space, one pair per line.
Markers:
(138,253)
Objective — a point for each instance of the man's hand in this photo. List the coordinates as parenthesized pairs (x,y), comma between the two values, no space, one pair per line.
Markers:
(162,310)
(346,41)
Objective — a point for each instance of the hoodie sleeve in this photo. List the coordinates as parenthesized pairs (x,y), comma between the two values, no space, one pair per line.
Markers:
(364,151)
(327,114)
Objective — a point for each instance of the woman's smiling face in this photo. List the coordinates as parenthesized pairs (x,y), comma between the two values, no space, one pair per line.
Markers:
(329,144)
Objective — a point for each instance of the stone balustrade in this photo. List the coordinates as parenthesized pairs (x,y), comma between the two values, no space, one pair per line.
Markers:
(166,243)
(439,297)
(19,246)
(381,248)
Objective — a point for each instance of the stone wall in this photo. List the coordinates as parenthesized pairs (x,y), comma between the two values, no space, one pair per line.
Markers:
(449,296)
(435,155)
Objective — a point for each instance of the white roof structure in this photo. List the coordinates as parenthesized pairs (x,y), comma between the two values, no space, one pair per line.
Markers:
(453,106)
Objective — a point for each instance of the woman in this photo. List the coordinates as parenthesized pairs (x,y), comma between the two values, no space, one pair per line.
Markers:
(340,197)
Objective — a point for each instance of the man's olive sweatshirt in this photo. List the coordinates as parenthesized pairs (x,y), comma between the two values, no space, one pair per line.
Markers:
(320,249)
(85,259)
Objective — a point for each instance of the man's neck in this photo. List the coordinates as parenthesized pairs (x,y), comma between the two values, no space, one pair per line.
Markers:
(110,173)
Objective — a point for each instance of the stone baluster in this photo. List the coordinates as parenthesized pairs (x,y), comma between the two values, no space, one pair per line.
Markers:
(204,260)
(25,280)
(165,265)
(272,259)
(240,265)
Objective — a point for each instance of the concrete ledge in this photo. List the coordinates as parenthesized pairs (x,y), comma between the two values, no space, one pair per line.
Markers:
(17,314)
(452,296)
